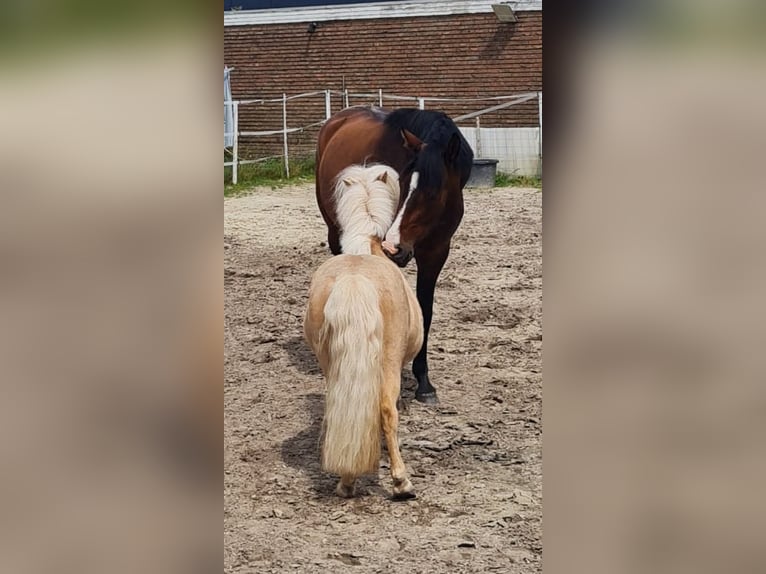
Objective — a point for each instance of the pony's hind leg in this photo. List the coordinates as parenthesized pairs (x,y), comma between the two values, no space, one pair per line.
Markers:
(403,488)
(345,488)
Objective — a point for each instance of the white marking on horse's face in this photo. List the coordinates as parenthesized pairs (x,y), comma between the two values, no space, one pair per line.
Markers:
(392,235)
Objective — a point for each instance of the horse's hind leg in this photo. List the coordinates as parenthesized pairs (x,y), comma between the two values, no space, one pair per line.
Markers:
(390,421)
(345,488)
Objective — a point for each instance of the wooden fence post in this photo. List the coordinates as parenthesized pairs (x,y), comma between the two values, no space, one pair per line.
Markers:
(540,134)
(235,147)
(478,136)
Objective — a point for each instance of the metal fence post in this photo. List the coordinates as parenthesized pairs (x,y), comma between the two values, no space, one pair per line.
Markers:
(345,98)
(380,97)
(327,104)
(235,147)
(284,134)
(422,103)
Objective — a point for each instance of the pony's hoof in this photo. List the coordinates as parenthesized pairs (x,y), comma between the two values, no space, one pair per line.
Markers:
(344,491)
(404,491)
(427,398)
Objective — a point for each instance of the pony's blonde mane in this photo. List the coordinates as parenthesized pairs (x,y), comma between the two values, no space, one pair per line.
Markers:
(366,198)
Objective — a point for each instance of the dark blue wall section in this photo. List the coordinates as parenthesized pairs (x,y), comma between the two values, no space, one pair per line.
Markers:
(265,4)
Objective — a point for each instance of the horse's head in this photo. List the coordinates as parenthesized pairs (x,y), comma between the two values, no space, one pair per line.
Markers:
(426,184)
(366,200)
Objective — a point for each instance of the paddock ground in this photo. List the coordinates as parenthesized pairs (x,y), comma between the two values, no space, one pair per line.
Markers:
(475,460)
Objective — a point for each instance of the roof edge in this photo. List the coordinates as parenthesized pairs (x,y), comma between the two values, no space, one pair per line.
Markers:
(370,11)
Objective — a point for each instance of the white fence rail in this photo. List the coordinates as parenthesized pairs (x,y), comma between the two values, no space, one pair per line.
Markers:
(518,149)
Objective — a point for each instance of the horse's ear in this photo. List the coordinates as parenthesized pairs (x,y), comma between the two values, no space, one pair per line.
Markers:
(453,149)
(383,177)
(411,141)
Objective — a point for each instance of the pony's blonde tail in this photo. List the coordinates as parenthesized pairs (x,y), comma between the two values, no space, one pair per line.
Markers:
(352,337)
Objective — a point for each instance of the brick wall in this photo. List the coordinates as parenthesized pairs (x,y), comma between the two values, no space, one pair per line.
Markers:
(454,56)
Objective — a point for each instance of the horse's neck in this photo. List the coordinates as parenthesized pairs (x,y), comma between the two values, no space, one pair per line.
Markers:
(362,246)
(376,247)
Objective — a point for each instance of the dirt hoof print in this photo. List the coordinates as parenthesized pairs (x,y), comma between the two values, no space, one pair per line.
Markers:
(400,496)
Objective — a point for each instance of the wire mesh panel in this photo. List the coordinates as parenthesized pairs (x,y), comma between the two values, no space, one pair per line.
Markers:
(508,132)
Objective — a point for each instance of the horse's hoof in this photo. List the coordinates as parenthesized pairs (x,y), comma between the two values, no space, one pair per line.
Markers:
(404,490)
(427,398)
(344,491)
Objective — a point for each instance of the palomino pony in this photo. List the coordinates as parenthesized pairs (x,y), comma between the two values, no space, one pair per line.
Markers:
(433,161)
(364,324)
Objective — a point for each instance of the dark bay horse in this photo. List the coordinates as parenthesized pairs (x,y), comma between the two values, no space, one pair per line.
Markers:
(434,161)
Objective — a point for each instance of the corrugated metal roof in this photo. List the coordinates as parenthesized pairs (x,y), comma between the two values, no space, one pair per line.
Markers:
(377,10)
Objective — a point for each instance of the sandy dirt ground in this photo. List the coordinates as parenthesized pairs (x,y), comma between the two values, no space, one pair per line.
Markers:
(475,459)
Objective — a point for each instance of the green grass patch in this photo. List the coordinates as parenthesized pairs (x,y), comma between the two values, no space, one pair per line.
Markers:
(267,173)
(510,180)
(271,173)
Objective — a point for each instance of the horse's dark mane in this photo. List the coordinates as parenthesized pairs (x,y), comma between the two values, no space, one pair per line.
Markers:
(435,129)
